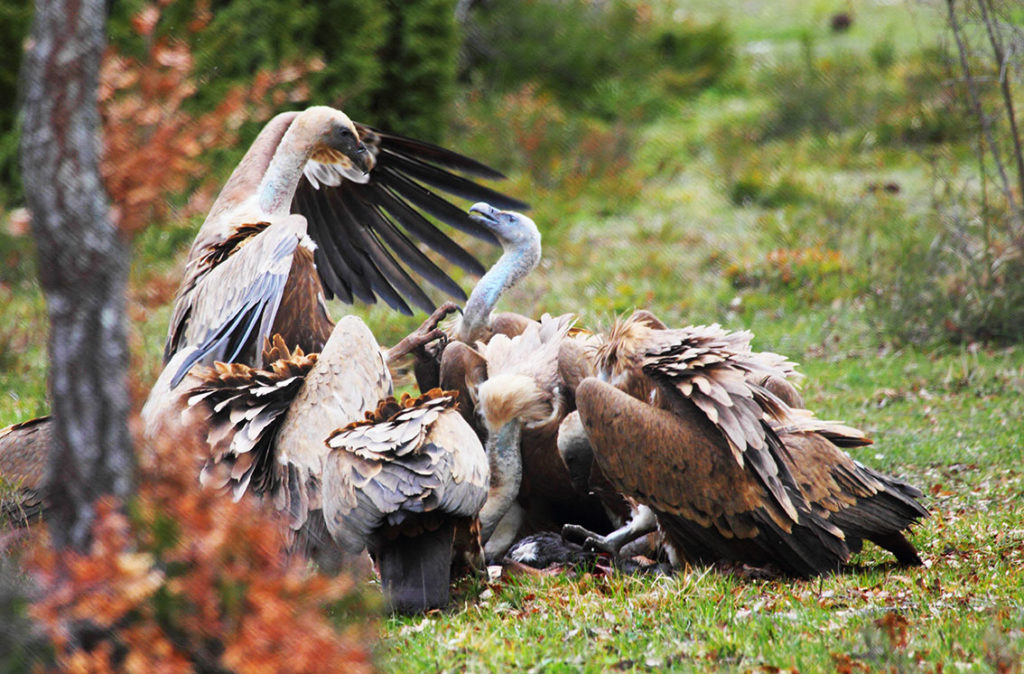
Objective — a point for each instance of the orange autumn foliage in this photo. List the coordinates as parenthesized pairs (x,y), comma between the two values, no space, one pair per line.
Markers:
(191,580)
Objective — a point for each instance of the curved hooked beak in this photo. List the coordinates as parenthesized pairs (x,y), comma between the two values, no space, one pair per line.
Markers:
(362,158)
(483,213)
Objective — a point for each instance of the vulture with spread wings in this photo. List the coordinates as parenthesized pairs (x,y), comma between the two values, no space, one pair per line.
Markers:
(321,207)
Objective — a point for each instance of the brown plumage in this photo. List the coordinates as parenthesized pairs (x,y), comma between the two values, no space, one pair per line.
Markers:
(862,502)
(789,495)
(24,450)
(708,507)
(319,207)
(320,436)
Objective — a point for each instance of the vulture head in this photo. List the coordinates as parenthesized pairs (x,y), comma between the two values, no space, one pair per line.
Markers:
(336,140)
(513,229)
(520,243)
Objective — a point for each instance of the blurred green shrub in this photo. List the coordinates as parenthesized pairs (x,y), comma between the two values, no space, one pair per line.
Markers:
(755,188)
(15,16)
(959,279)
(912,102)
(962,278)
(563,159)
(23,645)
(391,64)
(608,59)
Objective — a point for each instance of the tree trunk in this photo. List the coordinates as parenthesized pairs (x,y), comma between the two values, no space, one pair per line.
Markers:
(83,264)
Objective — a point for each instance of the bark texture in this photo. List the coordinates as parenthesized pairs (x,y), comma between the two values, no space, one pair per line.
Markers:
(83,264)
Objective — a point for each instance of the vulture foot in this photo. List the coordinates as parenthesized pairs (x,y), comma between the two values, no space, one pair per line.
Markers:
(612,543)
(642,523)
(428,332)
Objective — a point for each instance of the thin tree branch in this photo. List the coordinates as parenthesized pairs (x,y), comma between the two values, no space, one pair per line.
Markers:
(1002,59)
(979,112)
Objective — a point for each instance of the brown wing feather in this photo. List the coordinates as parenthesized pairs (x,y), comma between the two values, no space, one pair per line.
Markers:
(712,367)
(302,319)
(244,408)
(24,452)
(860,501)
(678,463)
(407,457)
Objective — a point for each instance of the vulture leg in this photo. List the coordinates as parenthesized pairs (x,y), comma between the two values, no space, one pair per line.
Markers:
(423,335)
(506,463)
(643,522)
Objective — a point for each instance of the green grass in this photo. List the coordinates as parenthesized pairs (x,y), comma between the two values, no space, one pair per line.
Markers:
(664,233)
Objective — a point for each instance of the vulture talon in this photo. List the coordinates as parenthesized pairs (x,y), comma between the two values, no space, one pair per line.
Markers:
(574,533)
(417,341)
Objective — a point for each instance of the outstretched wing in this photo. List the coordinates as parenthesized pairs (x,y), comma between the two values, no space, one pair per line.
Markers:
(367,227)
(230,309)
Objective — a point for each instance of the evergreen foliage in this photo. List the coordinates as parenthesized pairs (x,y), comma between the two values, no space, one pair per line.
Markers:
(391,65)
(607,59)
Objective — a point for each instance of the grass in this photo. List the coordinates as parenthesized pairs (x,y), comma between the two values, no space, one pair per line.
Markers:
(663,233)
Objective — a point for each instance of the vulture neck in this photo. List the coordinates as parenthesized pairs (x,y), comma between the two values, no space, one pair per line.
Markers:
(282,176)
(506,475)
(518,260)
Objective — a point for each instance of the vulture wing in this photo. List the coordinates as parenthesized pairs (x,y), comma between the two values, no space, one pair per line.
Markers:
(268,427)
(713,369)
(710,507)
(24,451)
(862,502)
(367,226)
(245,407)
(409,457)
(230,309)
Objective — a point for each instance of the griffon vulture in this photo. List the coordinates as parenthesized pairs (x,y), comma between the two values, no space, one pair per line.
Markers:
(24,450)
(457,358)
(709,440)
(532,493)
(322,438)
(319,206)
